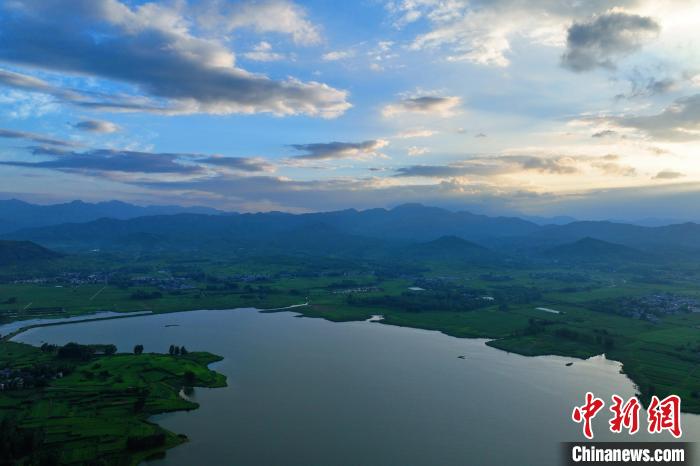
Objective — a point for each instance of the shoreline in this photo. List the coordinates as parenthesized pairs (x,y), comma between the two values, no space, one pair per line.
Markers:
(491,342)
(19,331)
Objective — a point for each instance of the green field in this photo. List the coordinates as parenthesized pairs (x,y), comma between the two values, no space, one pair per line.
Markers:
(98,413)
(659,347)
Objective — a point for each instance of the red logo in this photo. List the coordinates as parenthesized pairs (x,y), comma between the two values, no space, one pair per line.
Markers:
(661,414)
(626,415)
(587,412)
(665,415)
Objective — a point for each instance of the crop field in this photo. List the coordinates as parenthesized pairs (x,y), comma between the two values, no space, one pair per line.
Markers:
(99,410)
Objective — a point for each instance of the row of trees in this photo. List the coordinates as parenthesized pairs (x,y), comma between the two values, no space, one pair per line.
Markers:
(177,350)
(174,350)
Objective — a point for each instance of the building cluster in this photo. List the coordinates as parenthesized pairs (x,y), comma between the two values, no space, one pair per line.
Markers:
(359,289)
(653,306)
(68,279)
(164,283)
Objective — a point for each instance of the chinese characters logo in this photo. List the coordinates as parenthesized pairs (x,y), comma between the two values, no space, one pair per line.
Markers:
(662,415)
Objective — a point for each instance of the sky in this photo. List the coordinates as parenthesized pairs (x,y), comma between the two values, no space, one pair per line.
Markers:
(589,109)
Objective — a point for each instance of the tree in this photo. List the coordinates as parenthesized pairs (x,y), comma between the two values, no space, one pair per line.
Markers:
(171,351)
(110,350)
(138,349)
(75,351)
(183,351)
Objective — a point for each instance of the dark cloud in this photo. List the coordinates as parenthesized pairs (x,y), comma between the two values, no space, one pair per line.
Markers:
(668,175)
(436,105)
(33,137)
(678,122)
(339,150)
(556,165)
(96,126)
(648,86)
(604,133)
(498,165)
(608,37)
(151,48)
(659,86)
(102,162)
(246,164)
(433,171)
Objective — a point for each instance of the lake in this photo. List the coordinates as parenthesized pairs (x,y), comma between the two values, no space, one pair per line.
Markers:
(310,392)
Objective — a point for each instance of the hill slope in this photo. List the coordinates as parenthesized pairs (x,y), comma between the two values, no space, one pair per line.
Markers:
(451,249)
(593,250)
(17,252)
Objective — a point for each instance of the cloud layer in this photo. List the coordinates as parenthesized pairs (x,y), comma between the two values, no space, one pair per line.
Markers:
(153,48)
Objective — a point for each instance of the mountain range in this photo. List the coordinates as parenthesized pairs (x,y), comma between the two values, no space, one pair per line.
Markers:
(16,214)
(426,231)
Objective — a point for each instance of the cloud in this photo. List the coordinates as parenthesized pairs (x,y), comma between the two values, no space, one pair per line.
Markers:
(96,126)
(605,39)
(278,16)
(513,164)
(678,122)
(278,193)
(246,164)
(614,169)
(482,31)
(431,105)
(338,55)
(32,84)
(415,133)
(558,165)
(649,86)
(604,133)
(668,175)
(153,48)
(340,150)
(415,151)
(88,99)
(263,52)
(33,137)
(433,171)
(103,162)
(489,166)
(106,160)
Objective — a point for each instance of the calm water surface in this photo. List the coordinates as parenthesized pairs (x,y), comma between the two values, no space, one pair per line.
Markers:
(309,392)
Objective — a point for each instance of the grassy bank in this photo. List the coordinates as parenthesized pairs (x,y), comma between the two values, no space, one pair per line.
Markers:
(95,411)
